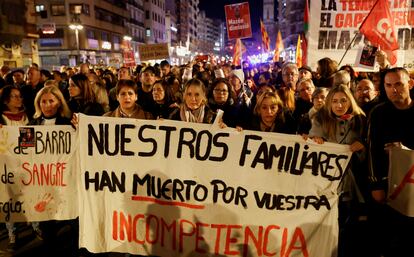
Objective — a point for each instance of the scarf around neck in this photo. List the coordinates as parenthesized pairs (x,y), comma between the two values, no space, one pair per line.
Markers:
(196,116)
(15,116)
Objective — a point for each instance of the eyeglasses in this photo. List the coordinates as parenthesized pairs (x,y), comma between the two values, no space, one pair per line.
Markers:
(220,91)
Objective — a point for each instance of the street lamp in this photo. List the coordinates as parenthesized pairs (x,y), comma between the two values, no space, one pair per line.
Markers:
(76,28)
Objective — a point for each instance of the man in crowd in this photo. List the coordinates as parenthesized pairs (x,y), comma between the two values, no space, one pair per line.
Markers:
(391,125)
(165,68)
(286,91)
(6,74)
(124,73)
(366,95)
(18,78)
(84,68)
(305,72)
(147,79)
(31,88)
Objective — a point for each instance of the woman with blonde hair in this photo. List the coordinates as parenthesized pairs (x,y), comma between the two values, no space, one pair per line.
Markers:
(100,91)
(270,115)
(51,108)
(194,107)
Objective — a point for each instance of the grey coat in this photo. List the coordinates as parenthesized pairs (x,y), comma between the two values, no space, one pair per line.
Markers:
(347,132)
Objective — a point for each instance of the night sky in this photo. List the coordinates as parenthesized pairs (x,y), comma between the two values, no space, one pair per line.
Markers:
(215,9)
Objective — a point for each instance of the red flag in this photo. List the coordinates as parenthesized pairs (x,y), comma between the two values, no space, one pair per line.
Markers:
(304,46)
(279,47)
(305,33)
(265,37)
(306,18)
(378,28)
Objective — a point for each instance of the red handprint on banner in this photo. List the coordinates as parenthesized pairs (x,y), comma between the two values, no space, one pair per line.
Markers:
(41,205)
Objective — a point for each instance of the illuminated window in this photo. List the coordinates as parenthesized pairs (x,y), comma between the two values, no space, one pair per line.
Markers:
(40,7)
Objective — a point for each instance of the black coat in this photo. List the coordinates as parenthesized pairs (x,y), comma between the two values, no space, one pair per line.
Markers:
(59,121)
(285,125)
(91,108)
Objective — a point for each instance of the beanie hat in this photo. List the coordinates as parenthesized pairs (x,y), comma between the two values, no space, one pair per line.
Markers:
(239,74)
(306,67)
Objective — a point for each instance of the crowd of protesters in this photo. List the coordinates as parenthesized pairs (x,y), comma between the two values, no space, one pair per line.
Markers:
(370,112)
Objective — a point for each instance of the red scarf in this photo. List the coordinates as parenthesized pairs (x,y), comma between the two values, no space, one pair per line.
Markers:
(15,116)
(346,117)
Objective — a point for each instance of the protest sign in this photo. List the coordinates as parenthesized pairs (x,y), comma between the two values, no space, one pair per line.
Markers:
(334,23)
(238,20)
(401,180)
(153,51)
(128,54)
(39,173)
(168,188)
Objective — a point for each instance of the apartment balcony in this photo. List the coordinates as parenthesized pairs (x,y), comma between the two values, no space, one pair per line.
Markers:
(136,22)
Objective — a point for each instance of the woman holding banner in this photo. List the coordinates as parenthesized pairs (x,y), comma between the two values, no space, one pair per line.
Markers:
(126,95)
(13,113)
(342,121)
(194,107)
(270,115)
(51,109)
(220,97)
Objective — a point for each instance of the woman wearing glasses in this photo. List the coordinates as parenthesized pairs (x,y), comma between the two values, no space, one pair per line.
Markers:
(13,112)
(220,97)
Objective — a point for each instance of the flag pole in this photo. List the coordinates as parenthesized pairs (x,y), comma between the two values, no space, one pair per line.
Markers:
(353,39)
(347,49)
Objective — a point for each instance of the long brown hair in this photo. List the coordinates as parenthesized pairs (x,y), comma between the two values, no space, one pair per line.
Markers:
(87,89)
(287,95)
(328,119)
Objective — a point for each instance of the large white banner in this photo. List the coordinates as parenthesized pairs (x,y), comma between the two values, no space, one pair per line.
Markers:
(170,188)
(39,173)
(333,24)
(401,180)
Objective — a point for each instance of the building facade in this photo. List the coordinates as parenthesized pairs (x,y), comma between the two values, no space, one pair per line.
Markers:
(187,16)
(18,34)
(270,20)
(291,20)
(155,21)
(209,35)
(135,25)
(72,32)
